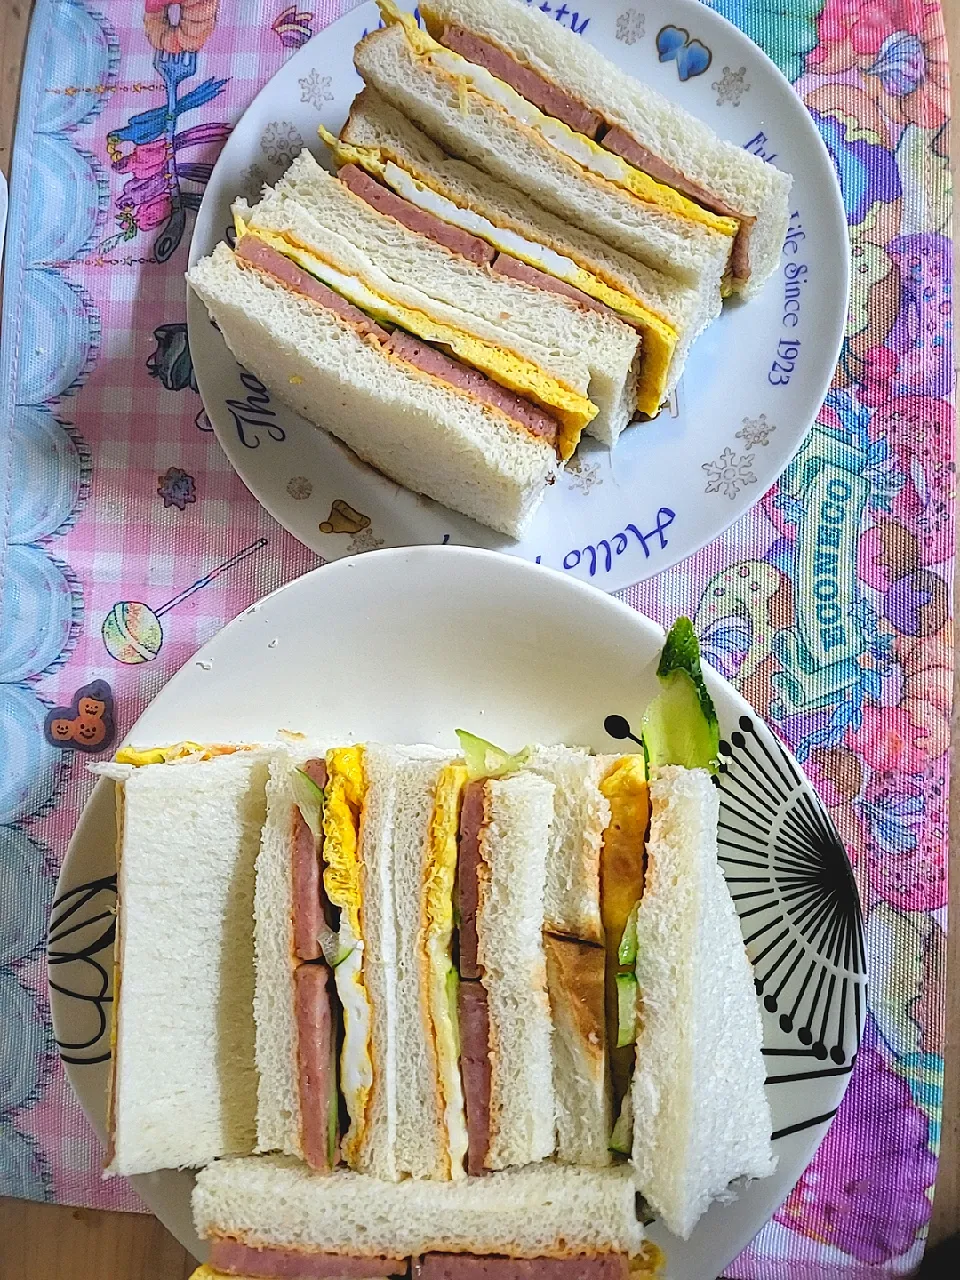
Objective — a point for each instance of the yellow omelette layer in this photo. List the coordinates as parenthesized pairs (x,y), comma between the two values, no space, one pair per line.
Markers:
(437,934)
(571,409)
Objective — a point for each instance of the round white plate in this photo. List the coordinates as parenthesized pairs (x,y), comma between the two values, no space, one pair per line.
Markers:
(751,389)
(404,645)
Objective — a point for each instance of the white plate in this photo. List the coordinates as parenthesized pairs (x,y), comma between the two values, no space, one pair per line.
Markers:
(670,486)
(405,645)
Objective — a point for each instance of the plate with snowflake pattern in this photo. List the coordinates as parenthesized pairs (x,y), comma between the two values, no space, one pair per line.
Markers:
(752,385)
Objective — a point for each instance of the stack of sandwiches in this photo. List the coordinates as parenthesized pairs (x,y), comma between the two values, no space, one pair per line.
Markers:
(470,1013)
(503,261)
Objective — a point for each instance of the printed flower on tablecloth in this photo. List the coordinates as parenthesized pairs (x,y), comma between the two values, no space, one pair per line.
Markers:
(901,858)
(176,488)
(865,1192)
(850,31)
(899,48)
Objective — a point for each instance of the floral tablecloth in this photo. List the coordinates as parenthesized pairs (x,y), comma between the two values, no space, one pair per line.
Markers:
(115,499)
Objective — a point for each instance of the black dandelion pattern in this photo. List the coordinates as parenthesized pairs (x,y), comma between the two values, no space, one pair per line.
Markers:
(83,927)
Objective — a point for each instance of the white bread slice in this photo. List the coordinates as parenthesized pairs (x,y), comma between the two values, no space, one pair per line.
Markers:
(513,850)
(546,1210)
(378,1150)
(744,182)
(410,426)
(701,1115)
(185,1085)
(321,211)
(472,127)
(581,815)
(395,842)
(278,1099)
(575,980)
(373,122)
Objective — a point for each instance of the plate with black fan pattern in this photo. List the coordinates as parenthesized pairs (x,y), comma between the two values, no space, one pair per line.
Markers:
(403,646)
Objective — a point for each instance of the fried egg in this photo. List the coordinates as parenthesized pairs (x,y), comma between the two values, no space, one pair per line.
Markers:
(342,880)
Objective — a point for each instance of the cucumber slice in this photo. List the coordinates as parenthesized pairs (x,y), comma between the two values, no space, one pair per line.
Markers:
(626,1009)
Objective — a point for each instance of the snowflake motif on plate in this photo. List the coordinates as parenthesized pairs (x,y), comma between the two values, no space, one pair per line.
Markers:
(365,540)
(731,86)
(583,475)
(299,488)
(281,142)
(630,26)
(315,89)
(729,474)
(756,431)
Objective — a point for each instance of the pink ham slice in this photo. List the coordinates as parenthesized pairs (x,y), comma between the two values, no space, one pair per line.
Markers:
(513,268)
(476,1071)
(628,148)
(308,901)
(421,355)
(429,360)
(416,219)
(315,1056)
(256,253)
(236,1259)
(464,1266)
(472,820)
(552,100)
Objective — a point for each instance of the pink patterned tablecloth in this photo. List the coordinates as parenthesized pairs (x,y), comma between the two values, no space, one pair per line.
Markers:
(114,496)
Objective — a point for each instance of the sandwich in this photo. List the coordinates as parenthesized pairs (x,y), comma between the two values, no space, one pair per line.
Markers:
(501,85)
(369,855)
(697,1105)
(499,226)
(414,262)
(183,1080)
(480,118)
(271,1217)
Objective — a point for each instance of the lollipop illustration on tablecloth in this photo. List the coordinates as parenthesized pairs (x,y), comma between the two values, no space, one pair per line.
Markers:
(132,632)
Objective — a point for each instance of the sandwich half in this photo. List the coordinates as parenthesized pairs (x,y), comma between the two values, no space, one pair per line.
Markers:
(408,256)
(578,102)
(183,1082)
(697,1116)
(265,1216)
(477,116)
(497,225)
(700,1112)
(435,398)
